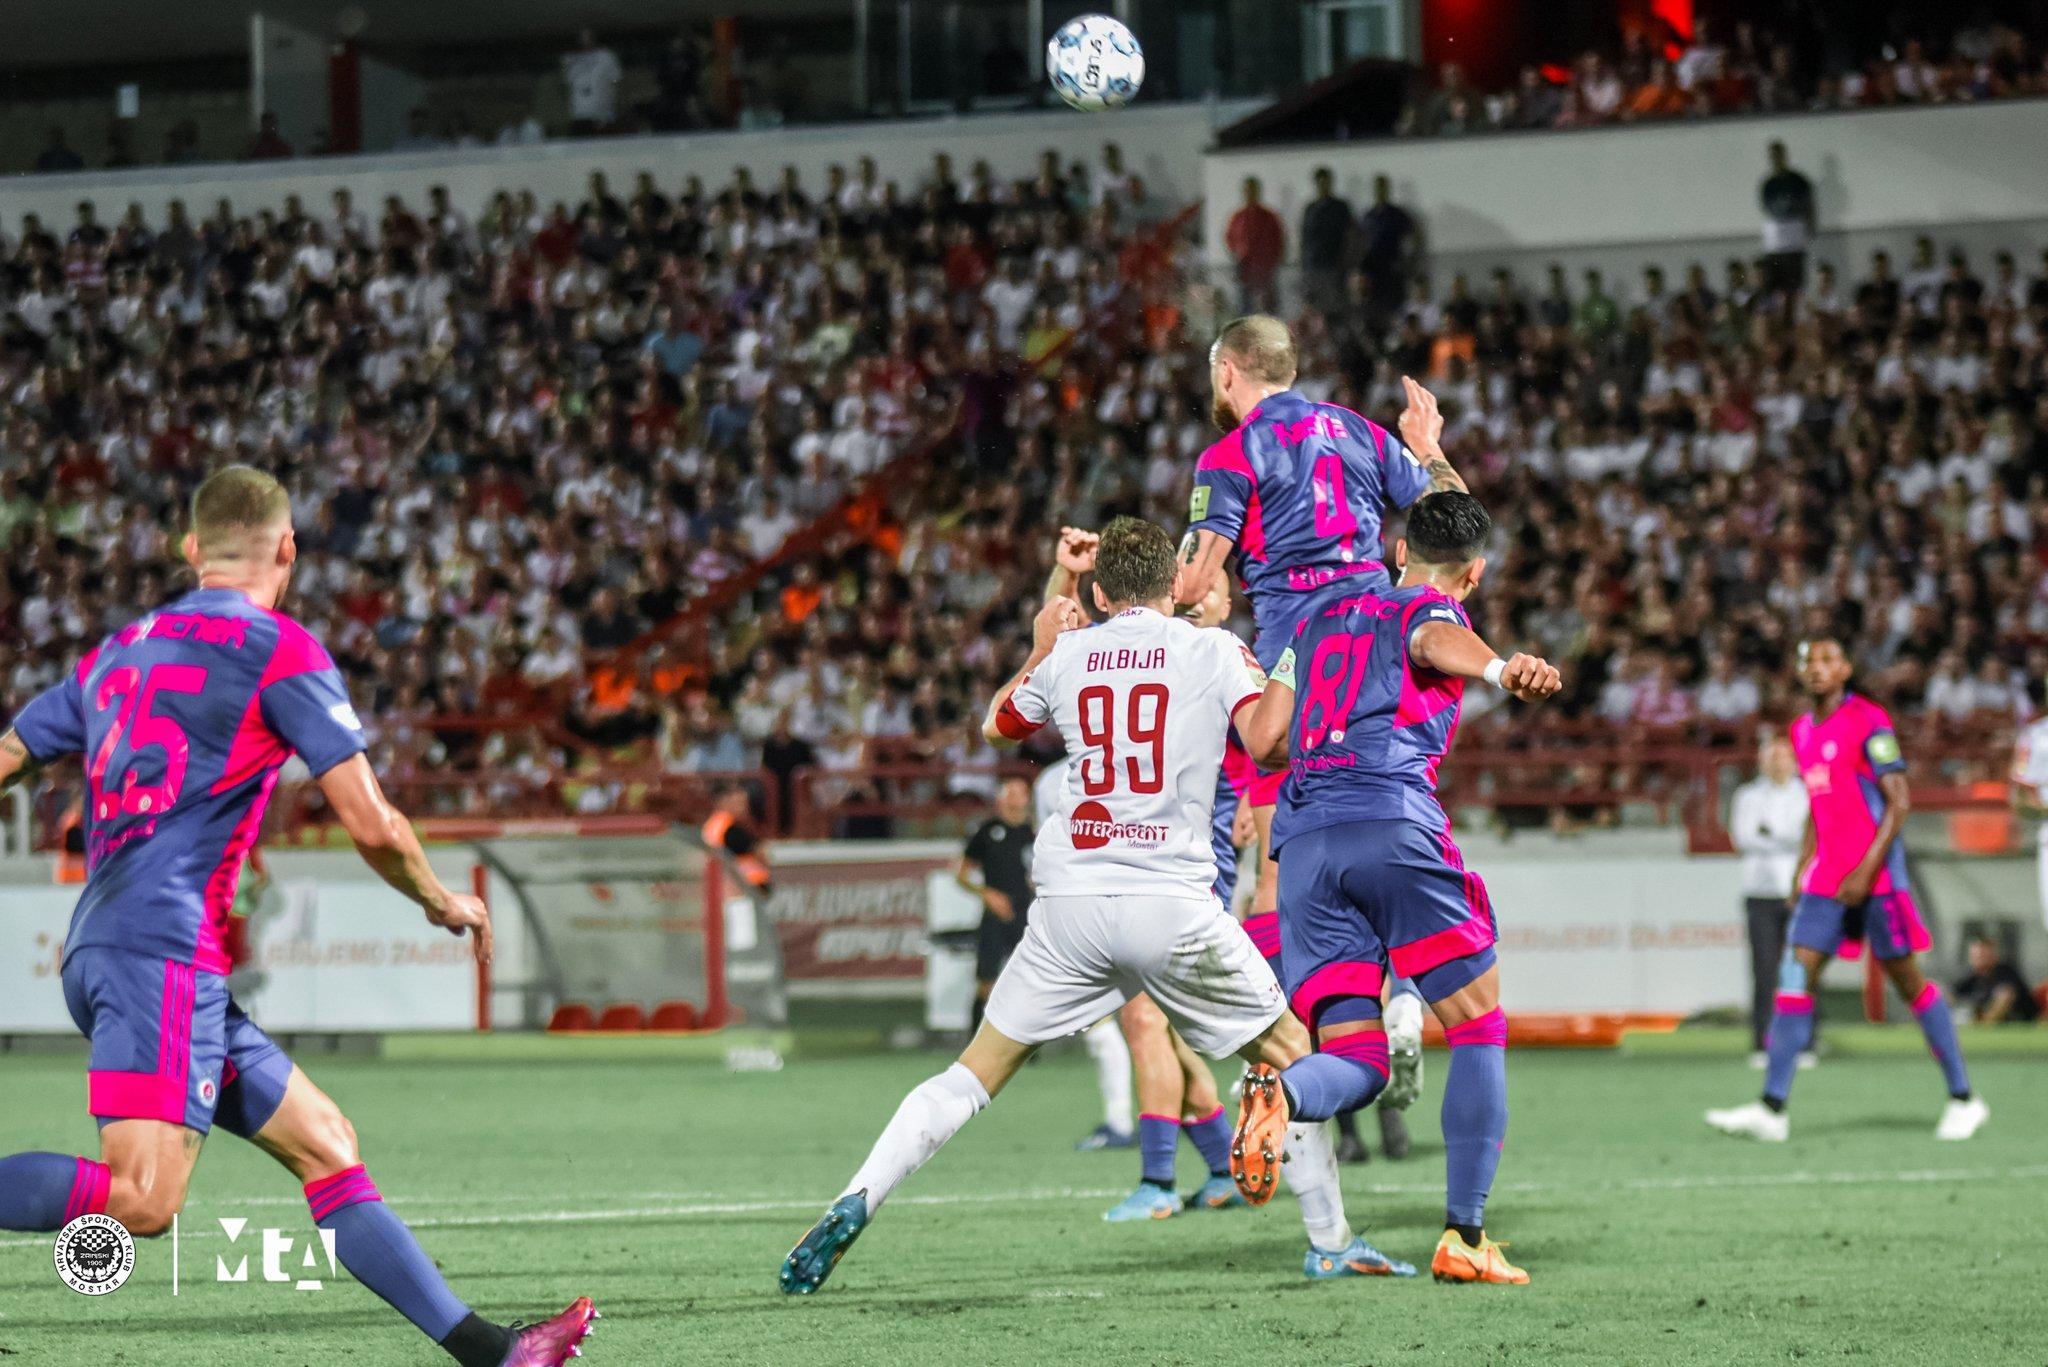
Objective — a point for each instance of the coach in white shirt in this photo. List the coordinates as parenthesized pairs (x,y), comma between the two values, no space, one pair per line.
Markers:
(2030,788)
(1768,823)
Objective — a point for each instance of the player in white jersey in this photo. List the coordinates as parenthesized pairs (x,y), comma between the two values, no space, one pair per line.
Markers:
(1124,902)
(2030,789)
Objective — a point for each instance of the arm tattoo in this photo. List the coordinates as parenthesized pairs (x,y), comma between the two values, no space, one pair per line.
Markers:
(1442,476)
(26,767)
(1190,548)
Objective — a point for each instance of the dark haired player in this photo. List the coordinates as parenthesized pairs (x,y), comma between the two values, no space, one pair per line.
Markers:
(1292,497)
(1124,872)
(1852,891)
(183,719)
(1364,705)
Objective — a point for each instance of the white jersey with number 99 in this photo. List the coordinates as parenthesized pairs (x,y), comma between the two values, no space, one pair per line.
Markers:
(1144,702)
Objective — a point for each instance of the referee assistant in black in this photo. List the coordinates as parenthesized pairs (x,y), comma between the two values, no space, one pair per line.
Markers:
(996,867)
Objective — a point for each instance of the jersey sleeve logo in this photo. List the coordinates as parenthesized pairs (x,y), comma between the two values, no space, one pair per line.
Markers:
(1198,503)
(1409,452)
(345,715)
(1283,668)
(1884,748)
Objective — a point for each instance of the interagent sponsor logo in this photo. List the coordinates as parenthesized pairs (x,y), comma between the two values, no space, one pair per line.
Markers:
(95,1255)
(1091,827)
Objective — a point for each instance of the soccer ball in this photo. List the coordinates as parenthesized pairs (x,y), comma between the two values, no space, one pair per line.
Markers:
(1094,62)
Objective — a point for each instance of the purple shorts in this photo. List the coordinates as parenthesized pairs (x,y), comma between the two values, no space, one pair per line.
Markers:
(1889,922)
(1363,897)
(168,1043)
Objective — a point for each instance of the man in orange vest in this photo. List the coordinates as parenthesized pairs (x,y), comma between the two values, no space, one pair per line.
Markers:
(730,830)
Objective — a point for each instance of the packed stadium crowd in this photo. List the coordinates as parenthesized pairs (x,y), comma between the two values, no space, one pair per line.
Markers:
(1739,69)
(521,442)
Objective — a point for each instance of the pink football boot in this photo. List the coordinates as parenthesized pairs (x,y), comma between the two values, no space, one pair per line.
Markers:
(555,1341)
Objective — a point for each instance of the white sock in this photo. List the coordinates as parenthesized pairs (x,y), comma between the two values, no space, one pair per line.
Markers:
(1112,1057)
(933,1113)
(1311,1174)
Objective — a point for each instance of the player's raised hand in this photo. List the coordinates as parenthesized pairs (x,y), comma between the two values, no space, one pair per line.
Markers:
(1530,677)
(1055,618)
(1076,551)
(1422,424)
(460,912)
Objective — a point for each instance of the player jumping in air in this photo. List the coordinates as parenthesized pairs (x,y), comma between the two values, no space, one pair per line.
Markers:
(1852,889)
(183,719)
(1124,890)
(1292,496)
(1362,708)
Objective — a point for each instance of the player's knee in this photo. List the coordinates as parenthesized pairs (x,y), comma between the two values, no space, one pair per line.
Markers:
(1143,1023)
(1285,1042)
(144,1214)
(327,1144)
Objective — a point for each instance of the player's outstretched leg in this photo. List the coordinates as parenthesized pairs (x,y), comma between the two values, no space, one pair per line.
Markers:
(933,1113)
(1966,1112)
(309,1135)
(1105,1041)
(1791,1034)
(1162,1093)
(1475,1118)
(43,1192)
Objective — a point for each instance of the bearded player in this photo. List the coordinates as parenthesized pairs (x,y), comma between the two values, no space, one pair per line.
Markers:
(1292,497)
(1124,891)
(1852,891)
(184,719)
(1364,705)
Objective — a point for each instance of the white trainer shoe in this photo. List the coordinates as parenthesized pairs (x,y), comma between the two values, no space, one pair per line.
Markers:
(1404,1051)
(1754,1121)
(1961,1119)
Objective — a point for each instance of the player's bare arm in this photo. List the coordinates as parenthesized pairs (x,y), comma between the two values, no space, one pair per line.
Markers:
(388,844)
(1073,557)
(971,881)
(1057,617)
(1202,553)
(1422,427)
(17,765)
(1263,726)
(1898,801)
(1806,848)
(1449,648)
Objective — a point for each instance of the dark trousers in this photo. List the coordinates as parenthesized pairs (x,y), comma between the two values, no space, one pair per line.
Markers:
(1769,918)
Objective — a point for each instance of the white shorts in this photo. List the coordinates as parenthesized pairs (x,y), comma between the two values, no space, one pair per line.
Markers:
(1083,957)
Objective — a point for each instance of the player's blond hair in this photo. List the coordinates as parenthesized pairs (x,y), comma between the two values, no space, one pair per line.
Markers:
(1262,347)
(234,508)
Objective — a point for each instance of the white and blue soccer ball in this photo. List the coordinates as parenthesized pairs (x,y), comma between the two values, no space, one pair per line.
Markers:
(1094,62)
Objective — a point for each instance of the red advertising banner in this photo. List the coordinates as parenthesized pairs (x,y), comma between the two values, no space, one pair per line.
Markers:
(845,917)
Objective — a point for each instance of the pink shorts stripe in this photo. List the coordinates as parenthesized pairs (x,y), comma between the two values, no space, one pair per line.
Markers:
(1368,1047)
(1794,1003)
(1265,932)
(1265,788)
(1467,937)
(1491,1028)
(1929,998)
(135,1096)
(1335,980)
(350,1188)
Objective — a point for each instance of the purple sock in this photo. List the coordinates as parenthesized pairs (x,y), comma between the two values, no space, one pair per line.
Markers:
(1158,1136)
(1791,1033)
(381,1253)
(1940,1028)
(1475,1115)
(1211,1138)
(1347,1074)
(42,1192)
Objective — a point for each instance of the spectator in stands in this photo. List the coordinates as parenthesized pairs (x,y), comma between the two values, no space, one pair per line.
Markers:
(57,154)
(729,830)
(1389,247)
(1786,197)
(1768,825)
(269,143)
(1326,234)
(678,83)
(1993,992)
(1256,241)
(592,74)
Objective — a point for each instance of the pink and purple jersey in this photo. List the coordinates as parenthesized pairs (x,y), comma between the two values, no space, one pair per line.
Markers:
(1299,488)
(1841,757)
(1371,727)
(183,719)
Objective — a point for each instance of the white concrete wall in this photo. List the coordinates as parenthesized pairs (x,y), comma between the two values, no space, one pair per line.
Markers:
(1618,198)
(1163,143)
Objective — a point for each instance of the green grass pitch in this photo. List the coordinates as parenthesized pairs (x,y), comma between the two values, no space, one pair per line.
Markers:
(669,1189)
